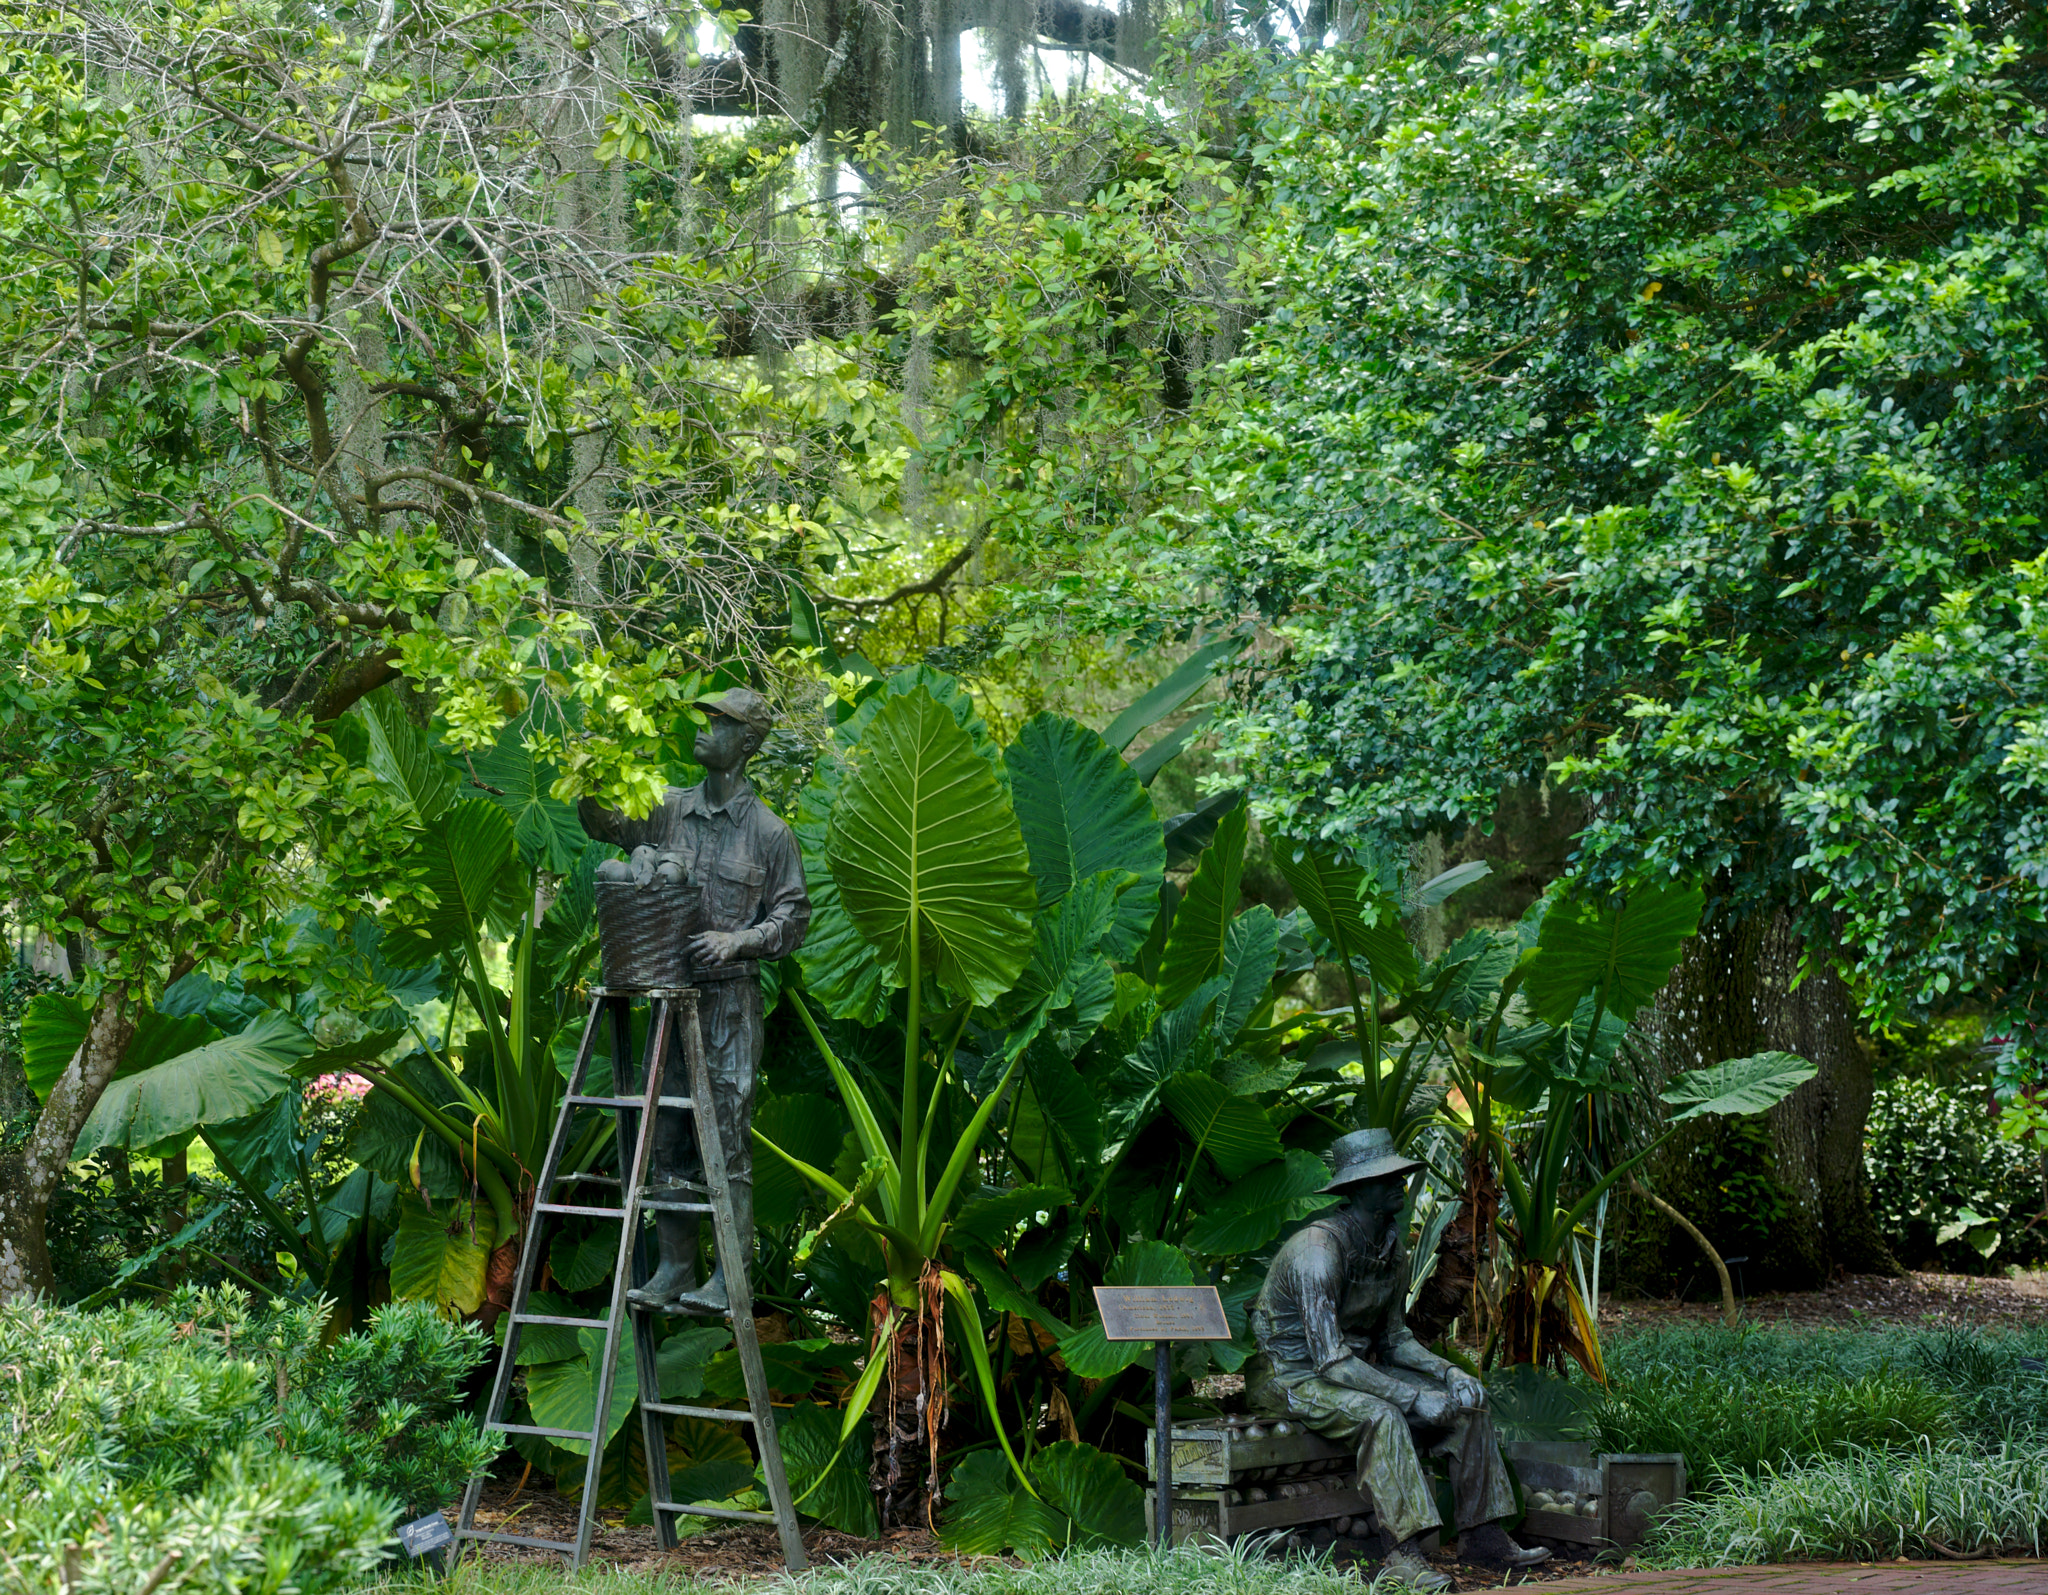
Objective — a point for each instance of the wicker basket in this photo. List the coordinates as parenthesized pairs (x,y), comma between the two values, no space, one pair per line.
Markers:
(641,932)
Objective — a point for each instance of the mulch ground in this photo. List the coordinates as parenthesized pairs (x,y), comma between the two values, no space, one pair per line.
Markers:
(1862,1301)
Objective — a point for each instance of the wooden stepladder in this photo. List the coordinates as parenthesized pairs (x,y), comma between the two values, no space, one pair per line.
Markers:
(674,1014)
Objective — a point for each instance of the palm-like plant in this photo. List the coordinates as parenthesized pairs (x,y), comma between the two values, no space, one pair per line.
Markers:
(466,1116)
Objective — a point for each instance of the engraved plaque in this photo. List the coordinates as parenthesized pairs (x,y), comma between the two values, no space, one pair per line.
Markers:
(1161,1312)
(429,1533)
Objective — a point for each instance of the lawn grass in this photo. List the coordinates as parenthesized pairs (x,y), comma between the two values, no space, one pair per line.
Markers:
(1245,1570)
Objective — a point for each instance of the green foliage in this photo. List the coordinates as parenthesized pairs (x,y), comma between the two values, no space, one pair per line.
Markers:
(1946,1187)
(141,1434)
(1576,446)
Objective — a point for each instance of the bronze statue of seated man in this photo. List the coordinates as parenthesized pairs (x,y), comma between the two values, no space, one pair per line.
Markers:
(1335,1352)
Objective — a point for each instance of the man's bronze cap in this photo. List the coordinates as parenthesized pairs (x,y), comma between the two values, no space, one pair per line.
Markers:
(743,704)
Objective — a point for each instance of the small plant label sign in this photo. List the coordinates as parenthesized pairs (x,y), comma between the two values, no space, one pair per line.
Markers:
(422,1535)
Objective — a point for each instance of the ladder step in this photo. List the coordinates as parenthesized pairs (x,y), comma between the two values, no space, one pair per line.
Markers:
(606,1102)
(675,1207)
(565,1323)
(687,1104)
(715,1511)
(587,1179)
(552,1434)
(514,1539)
(670,1409)
(575,1210)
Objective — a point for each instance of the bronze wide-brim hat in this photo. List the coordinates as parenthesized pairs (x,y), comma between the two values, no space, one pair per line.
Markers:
(1366,1155)
(743,704)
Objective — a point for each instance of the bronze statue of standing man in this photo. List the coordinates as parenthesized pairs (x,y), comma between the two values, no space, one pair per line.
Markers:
(1335,1352)
(754,907)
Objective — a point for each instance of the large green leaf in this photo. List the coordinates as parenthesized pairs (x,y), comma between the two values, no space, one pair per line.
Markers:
(923,844)
(53,1028)
(1348,906)
(1251,950)
(444,1256)
(1083,812)
(548,832)
(1067,1103)
(1102,1504)
(1201,925)
(580,1261)
(403,756)
(988,1513)
(840,968)
(1255,1209)
(1738,1086)
(227,1078)
(1233,1130)
(473,870)
(1623,948)
(1068,984)
(1185,681)
(563,1395)
(1091,1354)
(808,1126)
(828,1478)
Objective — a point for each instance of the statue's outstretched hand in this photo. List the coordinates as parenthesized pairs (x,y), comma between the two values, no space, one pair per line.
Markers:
(716,946)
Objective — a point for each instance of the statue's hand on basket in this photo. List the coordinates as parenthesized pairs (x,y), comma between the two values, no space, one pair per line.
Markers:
(718,946)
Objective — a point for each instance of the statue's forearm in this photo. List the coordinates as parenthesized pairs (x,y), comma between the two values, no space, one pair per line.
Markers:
(1410,1353)
(1355,1374)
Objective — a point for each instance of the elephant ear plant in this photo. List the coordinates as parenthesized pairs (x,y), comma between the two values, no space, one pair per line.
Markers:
(932,914)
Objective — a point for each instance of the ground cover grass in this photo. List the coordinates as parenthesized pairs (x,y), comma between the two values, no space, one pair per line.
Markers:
(1183,1571)
(1956,1500)
(1842,1444)
(1738,1403)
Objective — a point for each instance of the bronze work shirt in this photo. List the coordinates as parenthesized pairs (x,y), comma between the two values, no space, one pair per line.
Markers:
(743,855)
(1328,1297)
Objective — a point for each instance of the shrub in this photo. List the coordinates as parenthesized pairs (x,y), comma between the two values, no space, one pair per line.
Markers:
(220,1443)
(1936,1500)
(1945,1186)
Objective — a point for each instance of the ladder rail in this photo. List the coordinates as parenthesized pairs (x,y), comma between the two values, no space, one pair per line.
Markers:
(522,1278)
(732,1251)
(635,1146)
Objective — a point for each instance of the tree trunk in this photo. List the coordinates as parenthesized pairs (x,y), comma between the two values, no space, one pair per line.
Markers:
(1733,994)
(29,1178)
